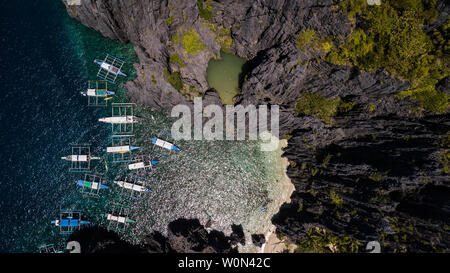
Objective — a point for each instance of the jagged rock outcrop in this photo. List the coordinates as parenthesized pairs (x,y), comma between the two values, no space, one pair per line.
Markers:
(373,173)
(381,179)
(258,239)
(188,235)
(94,239)
(184,236)
(255,27)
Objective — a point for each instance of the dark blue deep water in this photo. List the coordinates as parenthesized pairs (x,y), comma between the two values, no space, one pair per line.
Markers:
(45,61)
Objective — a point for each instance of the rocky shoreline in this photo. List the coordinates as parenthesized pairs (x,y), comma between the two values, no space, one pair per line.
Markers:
(377,170)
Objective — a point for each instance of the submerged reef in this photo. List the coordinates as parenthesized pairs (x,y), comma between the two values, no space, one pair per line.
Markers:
(363,94)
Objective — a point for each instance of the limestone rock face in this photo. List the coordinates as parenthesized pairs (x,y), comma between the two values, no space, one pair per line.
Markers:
(372,178)
(372,173)
(184,236)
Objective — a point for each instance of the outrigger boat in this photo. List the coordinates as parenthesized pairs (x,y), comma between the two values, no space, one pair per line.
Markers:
(79,158)
(142,165)
(91,185)
(69,222)
(121,149)
(131,186)
(49,248)
(97,93)
(120,120)
(119,219)
(91,92)
(109,67)
(164,144)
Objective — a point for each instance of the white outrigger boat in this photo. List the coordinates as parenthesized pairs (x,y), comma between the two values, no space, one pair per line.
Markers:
(92,92)
(110,68)
(164,144)
(131,186)
(121,149)
(119,219)
(91,185)
(111,64)
(120,120)
(142,165)
(79,158)
(97,93)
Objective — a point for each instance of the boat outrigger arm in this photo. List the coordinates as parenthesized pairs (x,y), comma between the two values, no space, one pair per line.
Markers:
(120,120)
(110,68)
(91,92)
(121,149)
(91,185)
(69,223)
(131,186)
(162,143)
(120,219)
(80,158)
(142,165)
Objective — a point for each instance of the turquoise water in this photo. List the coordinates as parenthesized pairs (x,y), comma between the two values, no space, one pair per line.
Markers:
(46,61)
(223,76)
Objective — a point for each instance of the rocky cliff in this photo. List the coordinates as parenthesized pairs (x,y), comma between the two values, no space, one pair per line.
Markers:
(184,236)
(374,167)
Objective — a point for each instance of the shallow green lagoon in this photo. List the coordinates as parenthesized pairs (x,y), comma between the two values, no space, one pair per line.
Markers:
(223,75)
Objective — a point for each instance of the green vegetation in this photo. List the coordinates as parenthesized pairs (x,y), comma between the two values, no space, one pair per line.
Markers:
(407,233)
(326,160)
(153,79)
(280,236)
(376,177)
(321,241)
(175,38)
(303,166)
(345,107)
(315,105)
(395,40)
(190,92)
(309,40)
(169,21)
(174,79)
(372,107)
(192,42)
(300,207)
(175,58)
(353,7)
(336,198)
(193,92)
(441,41)
(429,97)
(222,36)
(204,9)
(354,50)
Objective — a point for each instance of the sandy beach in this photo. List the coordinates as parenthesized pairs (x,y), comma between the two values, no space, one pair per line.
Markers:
(273,244)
